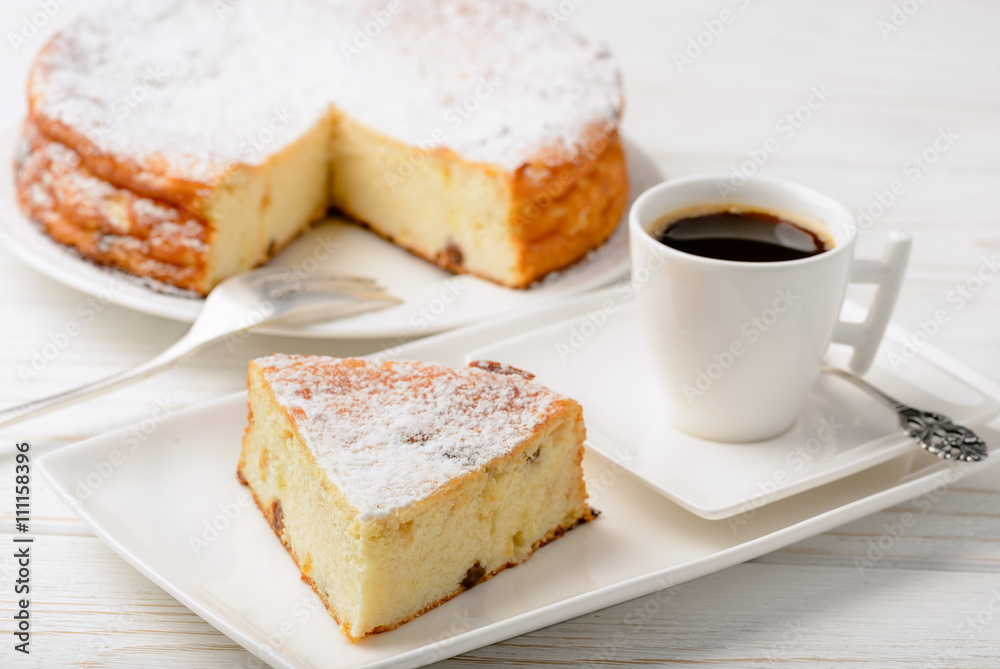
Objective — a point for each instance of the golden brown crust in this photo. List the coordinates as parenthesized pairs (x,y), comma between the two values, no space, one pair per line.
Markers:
(111,225)
(563,212)
(154,181)
(108,225)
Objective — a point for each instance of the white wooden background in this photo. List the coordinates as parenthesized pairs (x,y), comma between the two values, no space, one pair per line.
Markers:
(897,72)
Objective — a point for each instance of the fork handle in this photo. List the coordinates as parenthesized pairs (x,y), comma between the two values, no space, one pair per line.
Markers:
(183,348)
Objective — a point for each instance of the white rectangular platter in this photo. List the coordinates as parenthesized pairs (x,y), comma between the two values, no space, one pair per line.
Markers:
(172,507)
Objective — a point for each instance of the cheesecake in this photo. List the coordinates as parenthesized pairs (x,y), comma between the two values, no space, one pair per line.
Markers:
(398,485)
(185,143)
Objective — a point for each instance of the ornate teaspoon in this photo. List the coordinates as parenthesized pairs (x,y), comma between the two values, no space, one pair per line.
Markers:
(935,432)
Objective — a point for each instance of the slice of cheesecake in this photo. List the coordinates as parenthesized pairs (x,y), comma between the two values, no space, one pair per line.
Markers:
(396,486)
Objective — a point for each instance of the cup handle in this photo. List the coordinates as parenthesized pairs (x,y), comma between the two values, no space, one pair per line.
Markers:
(887,273)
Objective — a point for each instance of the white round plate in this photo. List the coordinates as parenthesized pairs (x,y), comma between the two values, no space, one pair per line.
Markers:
(432,300)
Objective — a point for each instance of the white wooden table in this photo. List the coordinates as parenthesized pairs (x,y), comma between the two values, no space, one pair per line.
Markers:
(885,79)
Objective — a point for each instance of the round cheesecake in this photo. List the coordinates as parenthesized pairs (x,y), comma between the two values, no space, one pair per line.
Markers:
(187,141)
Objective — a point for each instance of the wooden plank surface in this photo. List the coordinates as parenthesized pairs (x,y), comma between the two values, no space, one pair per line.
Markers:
(854,596)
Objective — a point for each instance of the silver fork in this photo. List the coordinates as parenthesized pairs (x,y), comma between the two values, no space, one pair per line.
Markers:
(235,306)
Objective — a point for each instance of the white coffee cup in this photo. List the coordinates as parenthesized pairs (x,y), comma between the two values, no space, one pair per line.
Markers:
(736,346)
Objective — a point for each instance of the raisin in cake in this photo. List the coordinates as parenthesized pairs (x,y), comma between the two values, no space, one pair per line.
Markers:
(396,486)
(187,141)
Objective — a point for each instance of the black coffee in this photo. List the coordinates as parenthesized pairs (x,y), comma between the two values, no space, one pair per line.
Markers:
(747,236)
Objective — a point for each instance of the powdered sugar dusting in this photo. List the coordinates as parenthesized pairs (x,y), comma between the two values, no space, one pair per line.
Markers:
(181,88)
(393,433)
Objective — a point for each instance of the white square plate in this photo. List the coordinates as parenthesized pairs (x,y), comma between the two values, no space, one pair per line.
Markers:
(597,359)
(172,508)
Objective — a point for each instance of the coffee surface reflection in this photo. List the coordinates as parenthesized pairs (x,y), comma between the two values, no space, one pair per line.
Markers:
(744,236)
